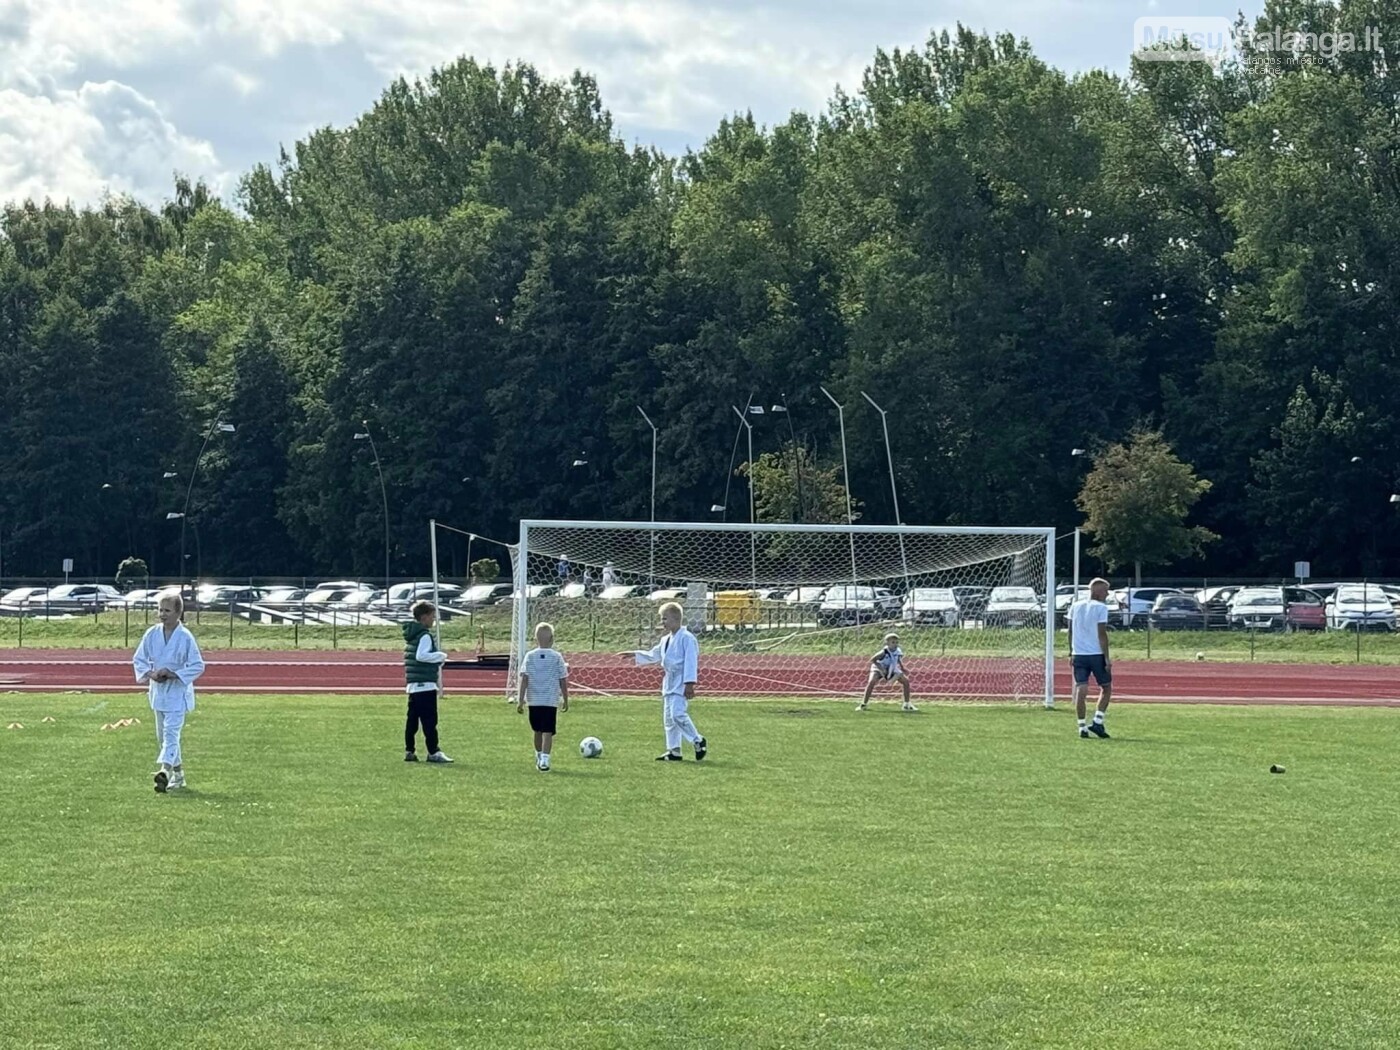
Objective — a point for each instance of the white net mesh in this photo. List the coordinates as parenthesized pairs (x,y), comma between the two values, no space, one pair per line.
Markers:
(790,610)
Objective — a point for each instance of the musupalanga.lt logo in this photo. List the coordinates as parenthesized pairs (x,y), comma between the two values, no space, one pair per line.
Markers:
(1199,38)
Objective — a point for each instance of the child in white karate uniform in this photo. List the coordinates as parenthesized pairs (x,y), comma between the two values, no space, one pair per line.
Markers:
(167,662)
(678,653)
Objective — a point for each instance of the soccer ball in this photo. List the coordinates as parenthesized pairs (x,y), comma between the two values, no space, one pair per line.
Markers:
(590,747)
(1200,657)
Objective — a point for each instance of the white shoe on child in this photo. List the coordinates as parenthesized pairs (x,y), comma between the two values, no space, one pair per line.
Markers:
(177,780)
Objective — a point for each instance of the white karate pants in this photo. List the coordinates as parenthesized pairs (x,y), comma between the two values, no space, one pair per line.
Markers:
(676,721)
(168,726)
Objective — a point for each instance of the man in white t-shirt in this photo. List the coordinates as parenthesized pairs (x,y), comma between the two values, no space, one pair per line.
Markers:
(1088,648)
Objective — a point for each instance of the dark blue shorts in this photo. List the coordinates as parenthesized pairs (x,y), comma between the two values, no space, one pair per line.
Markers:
(1084,666)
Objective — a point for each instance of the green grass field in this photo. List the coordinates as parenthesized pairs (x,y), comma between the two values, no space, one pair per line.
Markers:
(963,877)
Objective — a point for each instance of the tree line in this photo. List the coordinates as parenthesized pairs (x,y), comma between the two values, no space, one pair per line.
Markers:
(479,272)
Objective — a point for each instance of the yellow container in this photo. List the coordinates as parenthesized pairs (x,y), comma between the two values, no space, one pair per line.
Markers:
(736,609)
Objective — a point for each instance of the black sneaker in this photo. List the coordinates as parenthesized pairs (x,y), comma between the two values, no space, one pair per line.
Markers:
(162,780)
(409,756)
(669,756)
(1098,730)
(701,749)
(1083,732)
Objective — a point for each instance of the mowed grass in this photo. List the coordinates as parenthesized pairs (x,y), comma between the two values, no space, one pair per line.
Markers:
(961,877)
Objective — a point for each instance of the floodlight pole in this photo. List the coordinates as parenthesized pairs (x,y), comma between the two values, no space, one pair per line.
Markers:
(724,507)
(652,572)
(753,548)
(846,475)
(384,498)
(894,492)
(217,425)
(796,459)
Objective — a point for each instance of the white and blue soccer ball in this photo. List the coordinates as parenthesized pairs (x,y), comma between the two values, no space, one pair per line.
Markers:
(590,747)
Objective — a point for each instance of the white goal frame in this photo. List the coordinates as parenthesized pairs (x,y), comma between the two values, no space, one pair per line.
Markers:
(1046,534)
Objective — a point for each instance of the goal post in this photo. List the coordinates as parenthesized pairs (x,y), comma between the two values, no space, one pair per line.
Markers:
(793,610)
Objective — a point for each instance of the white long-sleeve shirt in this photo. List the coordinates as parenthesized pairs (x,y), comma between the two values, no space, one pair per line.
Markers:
(679,657)
(178,653)
(426,654)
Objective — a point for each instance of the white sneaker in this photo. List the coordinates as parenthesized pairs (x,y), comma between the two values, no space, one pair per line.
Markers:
(177,780)
(439,758)
(544,763)
(908,707)
(860,707)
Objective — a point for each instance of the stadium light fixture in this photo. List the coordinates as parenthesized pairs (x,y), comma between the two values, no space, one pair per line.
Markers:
(365,435)
(222,427)
(106,485)
(580,462)
(172,515)
(1395,497)
(1356,459)
(170,474)
(1077,452)
(755,410)
(717,508)
(779,409)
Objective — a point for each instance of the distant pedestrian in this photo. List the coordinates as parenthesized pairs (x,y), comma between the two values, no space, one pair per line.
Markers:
(609,576)
(563,569)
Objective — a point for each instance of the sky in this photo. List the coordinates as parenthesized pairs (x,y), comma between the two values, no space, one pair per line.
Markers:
(115,96)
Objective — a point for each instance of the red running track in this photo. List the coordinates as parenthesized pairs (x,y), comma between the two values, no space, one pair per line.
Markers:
(56,670)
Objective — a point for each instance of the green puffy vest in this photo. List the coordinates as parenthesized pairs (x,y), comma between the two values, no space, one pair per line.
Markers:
(414,669)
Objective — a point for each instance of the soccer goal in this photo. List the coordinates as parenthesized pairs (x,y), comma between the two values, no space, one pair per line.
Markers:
(793,610)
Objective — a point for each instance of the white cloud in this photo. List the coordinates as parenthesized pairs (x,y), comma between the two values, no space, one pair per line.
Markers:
(123,91)
(77,145)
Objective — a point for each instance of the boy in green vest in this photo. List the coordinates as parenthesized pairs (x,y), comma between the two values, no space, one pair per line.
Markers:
(422,663)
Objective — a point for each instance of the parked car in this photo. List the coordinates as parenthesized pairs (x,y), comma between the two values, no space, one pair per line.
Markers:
(810,597)
(1304,610)
(80,597)
(481,594)
(846,605)
(620,592)
(935,606)
(1360,607)
(283,596)
(1216,602)
(1134,604)
(572,590)
(220,596)
(1014,607)
(541,590)
(329,595)
(972,601)
(346,585)
(1177,612)
(141,598)
(1256,609)
(23,596)
(407,593)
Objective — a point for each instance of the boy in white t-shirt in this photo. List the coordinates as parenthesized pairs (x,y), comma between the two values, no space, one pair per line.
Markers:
(887,666)
(544,685)
(1088,648)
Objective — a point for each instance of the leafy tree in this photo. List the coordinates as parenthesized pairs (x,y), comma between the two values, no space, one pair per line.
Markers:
(485,570)
(789,486)
(1136,500)
(129,571)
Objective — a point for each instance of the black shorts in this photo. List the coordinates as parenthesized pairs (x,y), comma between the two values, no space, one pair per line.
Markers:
(1084,666)
(544,719)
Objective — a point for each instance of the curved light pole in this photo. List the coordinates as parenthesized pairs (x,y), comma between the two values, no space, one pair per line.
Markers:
(753,543)
(651,577)
(894,492)
(220,426)
(846,476)
(384,498)
(782,409)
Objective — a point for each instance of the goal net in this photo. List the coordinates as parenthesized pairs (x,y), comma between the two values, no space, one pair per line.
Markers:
(792,610)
